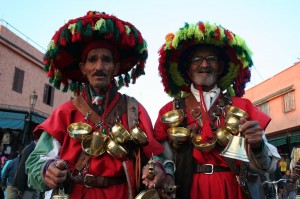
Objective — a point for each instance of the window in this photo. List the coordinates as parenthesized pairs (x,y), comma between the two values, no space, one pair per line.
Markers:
(289,102)
(18,80)
(265,107)
(48,95)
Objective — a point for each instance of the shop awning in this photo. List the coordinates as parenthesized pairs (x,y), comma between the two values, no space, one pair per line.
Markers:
(16,120)
(12,120)
(295,137)
(278,142)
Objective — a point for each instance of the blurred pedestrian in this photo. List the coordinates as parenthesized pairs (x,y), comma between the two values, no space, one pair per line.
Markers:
(289,187)
(20,180)
(7,175)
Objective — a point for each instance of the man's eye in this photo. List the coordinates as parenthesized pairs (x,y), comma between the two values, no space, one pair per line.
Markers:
(92,59)
(107,59)
(211,58)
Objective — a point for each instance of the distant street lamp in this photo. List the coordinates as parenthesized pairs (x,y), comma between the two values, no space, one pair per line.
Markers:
(33,98)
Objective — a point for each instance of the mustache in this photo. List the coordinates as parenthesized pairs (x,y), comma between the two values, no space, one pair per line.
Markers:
(205,70)
(99,73)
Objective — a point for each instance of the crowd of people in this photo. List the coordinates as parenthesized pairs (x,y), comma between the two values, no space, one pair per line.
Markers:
(102,143)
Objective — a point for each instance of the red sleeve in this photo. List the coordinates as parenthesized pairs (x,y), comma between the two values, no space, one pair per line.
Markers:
(254,112)
(160,129)
(154,147)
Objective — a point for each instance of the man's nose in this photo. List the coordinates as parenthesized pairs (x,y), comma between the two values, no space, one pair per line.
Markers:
(99,64)
(204,63)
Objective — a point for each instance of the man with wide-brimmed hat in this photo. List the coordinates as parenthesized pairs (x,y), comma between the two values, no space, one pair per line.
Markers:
(93,146)
(205,67)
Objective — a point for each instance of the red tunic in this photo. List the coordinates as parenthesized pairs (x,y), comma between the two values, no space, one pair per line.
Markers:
(104,165)
(219,185)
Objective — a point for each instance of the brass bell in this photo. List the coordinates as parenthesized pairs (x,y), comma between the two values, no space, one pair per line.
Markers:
(61,194)
(236,149)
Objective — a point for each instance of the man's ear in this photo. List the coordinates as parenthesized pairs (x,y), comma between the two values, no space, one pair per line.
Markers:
(221,67)
(81,66)
(116,69)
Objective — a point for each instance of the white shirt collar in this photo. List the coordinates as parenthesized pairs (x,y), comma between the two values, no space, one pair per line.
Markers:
(209,97)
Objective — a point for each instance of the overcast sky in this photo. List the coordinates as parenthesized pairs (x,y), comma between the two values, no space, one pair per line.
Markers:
(271,29)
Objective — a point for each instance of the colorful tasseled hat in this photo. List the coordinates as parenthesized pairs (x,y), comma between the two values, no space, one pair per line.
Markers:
(65,49)
(173,72)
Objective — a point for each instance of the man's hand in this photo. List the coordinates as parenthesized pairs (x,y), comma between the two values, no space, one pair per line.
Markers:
(159,177)
(56,174)
(252,132)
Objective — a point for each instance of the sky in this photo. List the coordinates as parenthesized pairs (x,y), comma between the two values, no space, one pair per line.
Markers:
(271,29)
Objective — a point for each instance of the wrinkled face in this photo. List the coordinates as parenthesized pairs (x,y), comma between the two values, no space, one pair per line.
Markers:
(99,68)
(204,67)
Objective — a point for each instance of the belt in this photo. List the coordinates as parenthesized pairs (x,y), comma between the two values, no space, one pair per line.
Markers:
(90,181)
(209,168)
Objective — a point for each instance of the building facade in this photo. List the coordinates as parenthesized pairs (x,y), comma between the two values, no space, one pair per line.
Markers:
(22,77)
(279,97)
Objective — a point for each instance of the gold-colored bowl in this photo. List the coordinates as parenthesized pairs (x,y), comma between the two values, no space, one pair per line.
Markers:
(173,118)
(179,135)
(235,111)
(120,134)
(203,146)
(223,136)
(148,194)
(115,150)
(79,130)
(139,136)
(94,144)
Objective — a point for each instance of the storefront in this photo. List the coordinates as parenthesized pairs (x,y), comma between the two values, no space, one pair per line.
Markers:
(15,129)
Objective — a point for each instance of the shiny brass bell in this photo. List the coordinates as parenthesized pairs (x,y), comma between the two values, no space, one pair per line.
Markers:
(61,194)
(236,149)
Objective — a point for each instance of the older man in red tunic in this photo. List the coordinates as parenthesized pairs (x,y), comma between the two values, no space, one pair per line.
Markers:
(95,145)
(205,67)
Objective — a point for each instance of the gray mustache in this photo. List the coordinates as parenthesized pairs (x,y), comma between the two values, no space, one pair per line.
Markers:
(205,70)
(99,73)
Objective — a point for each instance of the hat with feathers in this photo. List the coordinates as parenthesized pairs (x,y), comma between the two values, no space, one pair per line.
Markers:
(64,52)
(173,71)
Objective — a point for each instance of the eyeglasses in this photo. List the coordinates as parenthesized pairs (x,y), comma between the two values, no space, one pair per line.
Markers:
(211,60)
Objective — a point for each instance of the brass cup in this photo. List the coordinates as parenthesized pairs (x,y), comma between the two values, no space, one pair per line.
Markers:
(79,130)
(179,135)
(223,136)
(95,144)
(237,112)
(115,150)
(148,194)
(120,134)
(232,119)
(203,146)
(232,124)
(139,136)
(173,118)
